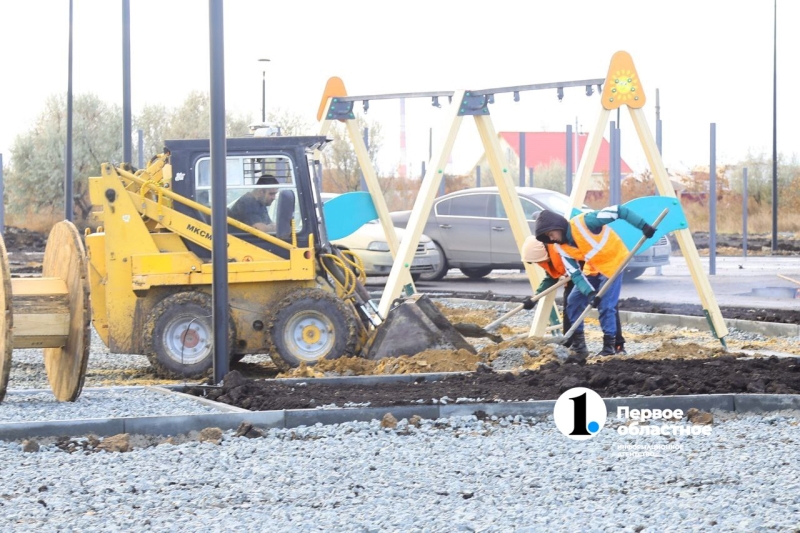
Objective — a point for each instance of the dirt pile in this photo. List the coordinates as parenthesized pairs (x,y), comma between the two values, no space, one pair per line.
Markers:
(611,378)
(528,353)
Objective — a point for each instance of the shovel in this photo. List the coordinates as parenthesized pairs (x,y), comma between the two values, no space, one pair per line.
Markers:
(561,339)
(469,329)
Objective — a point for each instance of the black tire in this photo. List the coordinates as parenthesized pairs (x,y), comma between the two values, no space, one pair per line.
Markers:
(326,324)
(632,273)
(440,272)
(171,350)
(476,273)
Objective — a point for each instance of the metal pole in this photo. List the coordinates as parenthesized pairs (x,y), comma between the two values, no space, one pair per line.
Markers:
(745,198)
(263,96)
(658,122)
(430,156)
(68,199)
(140,147)
(478,176)
(775,130)
(522,159)
(361,172)
(617,167)
(127,126)
(530,174)
(2,200)
(422,171)
(612,174)
(658,133)
(569,160)
(219,229)
(712,191)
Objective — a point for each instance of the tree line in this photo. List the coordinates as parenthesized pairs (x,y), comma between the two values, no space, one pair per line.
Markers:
(35,171)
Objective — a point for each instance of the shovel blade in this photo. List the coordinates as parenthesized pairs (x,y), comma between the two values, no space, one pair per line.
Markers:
(414,326)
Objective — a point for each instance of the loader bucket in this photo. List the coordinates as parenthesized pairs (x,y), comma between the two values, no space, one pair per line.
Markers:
(414,326)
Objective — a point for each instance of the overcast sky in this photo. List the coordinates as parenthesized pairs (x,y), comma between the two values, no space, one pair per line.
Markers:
(711,60)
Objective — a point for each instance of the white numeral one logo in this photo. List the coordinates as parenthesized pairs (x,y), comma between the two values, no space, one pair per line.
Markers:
(580,413)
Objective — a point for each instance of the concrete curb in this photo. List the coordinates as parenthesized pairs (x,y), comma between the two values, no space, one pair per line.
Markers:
(178,424)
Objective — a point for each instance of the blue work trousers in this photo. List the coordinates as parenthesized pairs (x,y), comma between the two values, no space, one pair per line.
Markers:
(577,302)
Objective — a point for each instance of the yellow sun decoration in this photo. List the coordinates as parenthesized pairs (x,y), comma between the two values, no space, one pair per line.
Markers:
(625,85)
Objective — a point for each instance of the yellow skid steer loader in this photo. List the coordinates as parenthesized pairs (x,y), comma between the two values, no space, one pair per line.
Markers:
(291,294)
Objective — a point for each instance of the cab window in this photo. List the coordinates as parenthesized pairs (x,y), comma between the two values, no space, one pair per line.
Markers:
(242,173)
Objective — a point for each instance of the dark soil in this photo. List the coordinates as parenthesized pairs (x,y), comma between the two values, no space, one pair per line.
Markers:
(783,316)
(756,242)
(617,377)
(23,240)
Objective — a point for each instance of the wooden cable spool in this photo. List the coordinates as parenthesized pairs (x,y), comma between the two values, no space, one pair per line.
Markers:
(50,312)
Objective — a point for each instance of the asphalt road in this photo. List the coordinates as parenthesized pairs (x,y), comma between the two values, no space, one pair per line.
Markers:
(737,282)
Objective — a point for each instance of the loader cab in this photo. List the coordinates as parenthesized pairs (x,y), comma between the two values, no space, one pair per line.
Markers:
(283,159)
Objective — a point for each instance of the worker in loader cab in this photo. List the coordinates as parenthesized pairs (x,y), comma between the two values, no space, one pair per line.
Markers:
(548,258)
(587,237)
(251,207)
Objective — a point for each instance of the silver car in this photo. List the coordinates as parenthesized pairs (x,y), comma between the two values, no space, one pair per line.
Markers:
(472,233)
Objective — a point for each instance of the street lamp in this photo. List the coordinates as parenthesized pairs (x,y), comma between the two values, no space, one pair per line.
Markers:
(264,90)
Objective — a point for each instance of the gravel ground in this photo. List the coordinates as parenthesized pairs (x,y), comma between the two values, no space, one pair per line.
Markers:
(39,406)
(459,474)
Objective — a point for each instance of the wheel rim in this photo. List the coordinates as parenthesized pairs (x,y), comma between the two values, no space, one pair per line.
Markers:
(310,335)
(187,339)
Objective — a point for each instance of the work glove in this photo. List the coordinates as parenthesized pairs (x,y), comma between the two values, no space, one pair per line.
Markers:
(648,230)
(596,301)
(528,304)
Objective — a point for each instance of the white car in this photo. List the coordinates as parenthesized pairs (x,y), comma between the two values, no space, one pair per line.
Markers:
(370,245)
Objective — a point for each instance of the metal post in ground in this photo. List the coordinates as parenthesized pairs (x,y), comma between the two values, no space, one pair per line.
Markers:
(127,123)
(361,173)
(712,194)
(745,197)
(618,165)
(530,176)
(658,134)
(140,147)
(219,227)
(569,161)
(478,176)
(522,159)
(2,200)
(422,170)
(612,173)
(68,200)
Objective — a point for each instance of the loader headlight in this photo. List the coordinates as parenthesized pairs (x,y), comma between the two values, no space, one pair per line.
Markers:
(378,246)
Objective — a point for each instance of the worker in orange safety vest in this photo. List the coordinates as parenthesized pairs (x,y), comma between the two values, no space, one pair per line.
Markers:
(548,258)
(587,237)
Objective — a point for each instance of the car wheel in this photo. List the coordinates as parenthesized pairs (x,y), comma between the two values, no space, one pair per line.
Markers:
(633,273)
(439,273)
(476,273)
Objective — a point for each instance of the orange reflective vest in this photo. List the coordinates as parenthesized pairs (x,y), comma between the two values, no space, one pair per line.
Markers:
(603,252)
(555,265)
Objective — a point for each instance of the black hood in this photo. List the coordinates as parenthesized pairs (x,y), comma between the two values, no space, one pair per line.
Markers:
(549,221)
